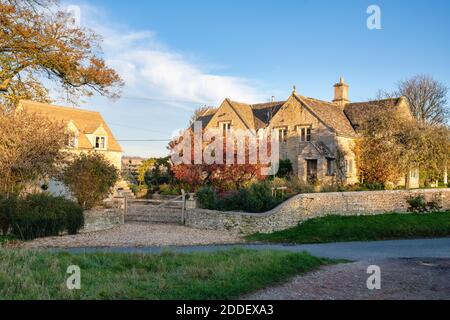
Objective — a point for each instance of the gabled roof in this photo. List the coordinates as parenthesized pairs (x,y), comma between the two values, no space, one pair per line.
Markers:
(255,116)
(344,120)
(87,122)
(330,114)
(264,112)
(359,112)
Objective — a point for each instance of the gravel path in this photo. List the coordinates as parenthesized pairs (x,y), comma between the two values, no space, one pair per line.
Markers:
(401,279)
(138,235)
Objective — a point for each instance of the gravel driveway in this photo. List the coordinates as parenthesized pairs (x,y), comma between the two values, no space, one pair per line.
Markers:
(401,279)
(138,235)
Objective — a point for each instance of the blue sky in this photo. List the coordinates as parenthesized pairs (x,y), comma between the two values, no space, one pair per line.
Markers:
(178,55)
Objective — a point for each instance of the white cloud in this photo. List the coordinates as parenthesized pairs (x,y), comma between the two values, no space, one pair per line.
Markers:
(152,70)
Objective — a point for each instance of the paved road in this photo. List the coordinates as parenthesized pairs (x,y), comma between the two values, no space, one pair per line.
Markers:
(356,251)
(400,279)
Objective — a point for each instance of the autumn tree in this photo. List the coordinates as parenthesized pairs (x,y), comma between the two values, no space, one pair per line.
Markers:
(30,149)
(392,145)
(39,41)
(221,176)
(90,178)
(426,96)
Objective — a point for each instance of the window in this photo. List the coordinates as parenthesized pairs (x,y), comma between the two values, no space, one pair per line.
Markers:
(72,141)
(226,127)
(330,167)
(349,167)
(100,142)
(305,133)
(282,134)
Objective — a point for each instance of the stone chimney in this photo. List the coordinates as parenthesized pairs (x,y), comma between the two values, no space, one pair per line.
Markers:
(341,93)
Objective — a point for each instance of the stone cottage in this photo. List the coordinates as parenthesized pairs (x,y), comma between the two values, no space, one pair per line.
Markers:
(90,132)
(310,131)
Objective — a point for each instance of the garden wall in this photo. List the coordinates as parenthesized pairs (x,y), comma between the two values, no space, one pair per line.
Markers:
(306,206)
(102,219)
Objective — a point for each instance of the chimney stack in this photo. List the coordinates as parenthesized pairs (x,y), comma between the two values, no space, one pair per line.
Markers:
(272,99)
(341,93)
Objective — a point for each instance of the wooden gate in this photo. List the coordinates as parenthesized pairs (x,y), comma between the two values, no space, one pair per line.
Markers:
(164,209)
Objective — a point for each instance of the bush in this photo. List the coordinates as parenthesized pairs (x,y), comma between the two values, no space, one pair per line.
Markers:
(296,185)
(90,178)
(7,207)
(207,198)
(42,215)
(256,198)
(418,204)
(169,190)
(285,169)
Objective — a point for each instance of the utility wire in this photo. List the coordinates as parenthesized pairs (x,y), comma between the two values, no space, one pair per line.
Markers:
(145,140)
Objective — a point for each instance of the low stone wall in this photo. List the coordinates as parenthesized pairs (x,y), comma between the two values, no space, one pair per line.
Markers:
(102,219)
(306,206)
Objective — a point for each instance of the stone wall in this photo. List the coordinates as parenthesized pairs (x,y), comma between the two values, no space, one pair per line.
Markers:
(102,219)
(306,206)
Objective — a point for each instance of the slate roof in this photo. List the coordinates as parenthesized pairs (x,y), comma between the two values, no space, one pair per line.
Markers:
(330,114)
(87,122)
(345,121)
(255,116)
(359,112)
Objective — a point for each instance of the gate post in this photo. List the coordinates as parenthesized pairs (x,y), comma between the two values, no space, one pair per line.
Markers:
(183,207)
(125,207)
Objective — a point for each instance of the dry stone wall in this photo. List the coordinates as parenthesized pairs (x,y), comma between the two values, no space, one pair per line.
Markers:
(306,206)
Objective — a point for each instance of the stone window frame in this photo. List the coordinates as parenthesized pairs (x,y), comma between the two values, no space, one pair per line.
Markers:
(349,167)
(332,162)
(304,132)
(225,126)
(283,133)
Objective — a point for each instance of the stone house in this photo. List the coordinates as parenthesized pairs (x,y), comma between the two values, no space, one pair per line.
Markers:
(312,133)
(89,132)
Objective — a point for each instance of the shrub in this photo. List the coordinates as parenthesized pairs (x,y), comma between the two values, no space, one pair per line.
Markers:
(285,168)
(256,198)
(7,207)
(435,204)
(90,178)
(169,190)
(42,215)
(419,204)
(207,198)
(296,185)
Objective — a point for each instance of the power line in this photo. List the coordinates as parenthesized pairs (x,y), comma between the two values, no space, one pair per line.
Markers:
(144,140)
(166,100)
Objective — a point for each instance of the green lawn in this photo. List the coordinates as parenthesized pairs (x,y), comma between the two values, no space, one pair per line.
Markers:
(362,228)
(217,275)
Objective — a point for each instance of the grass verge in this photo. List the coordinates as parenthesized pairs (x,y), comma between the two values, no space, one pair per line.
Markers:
(215,275)
(362,228)
(5,239)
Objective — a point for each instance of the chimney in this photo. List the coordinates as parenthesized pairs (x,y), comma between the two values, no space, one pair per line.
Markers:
(272,99)
(341,93)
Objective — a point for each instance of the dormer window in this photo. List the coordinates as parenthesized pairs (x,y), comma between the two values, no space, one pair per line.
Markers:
(72,140)
(100,142)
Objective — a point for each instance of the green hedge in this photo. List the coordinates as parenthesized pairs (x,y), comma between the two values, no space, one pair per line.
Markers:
(40,215)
